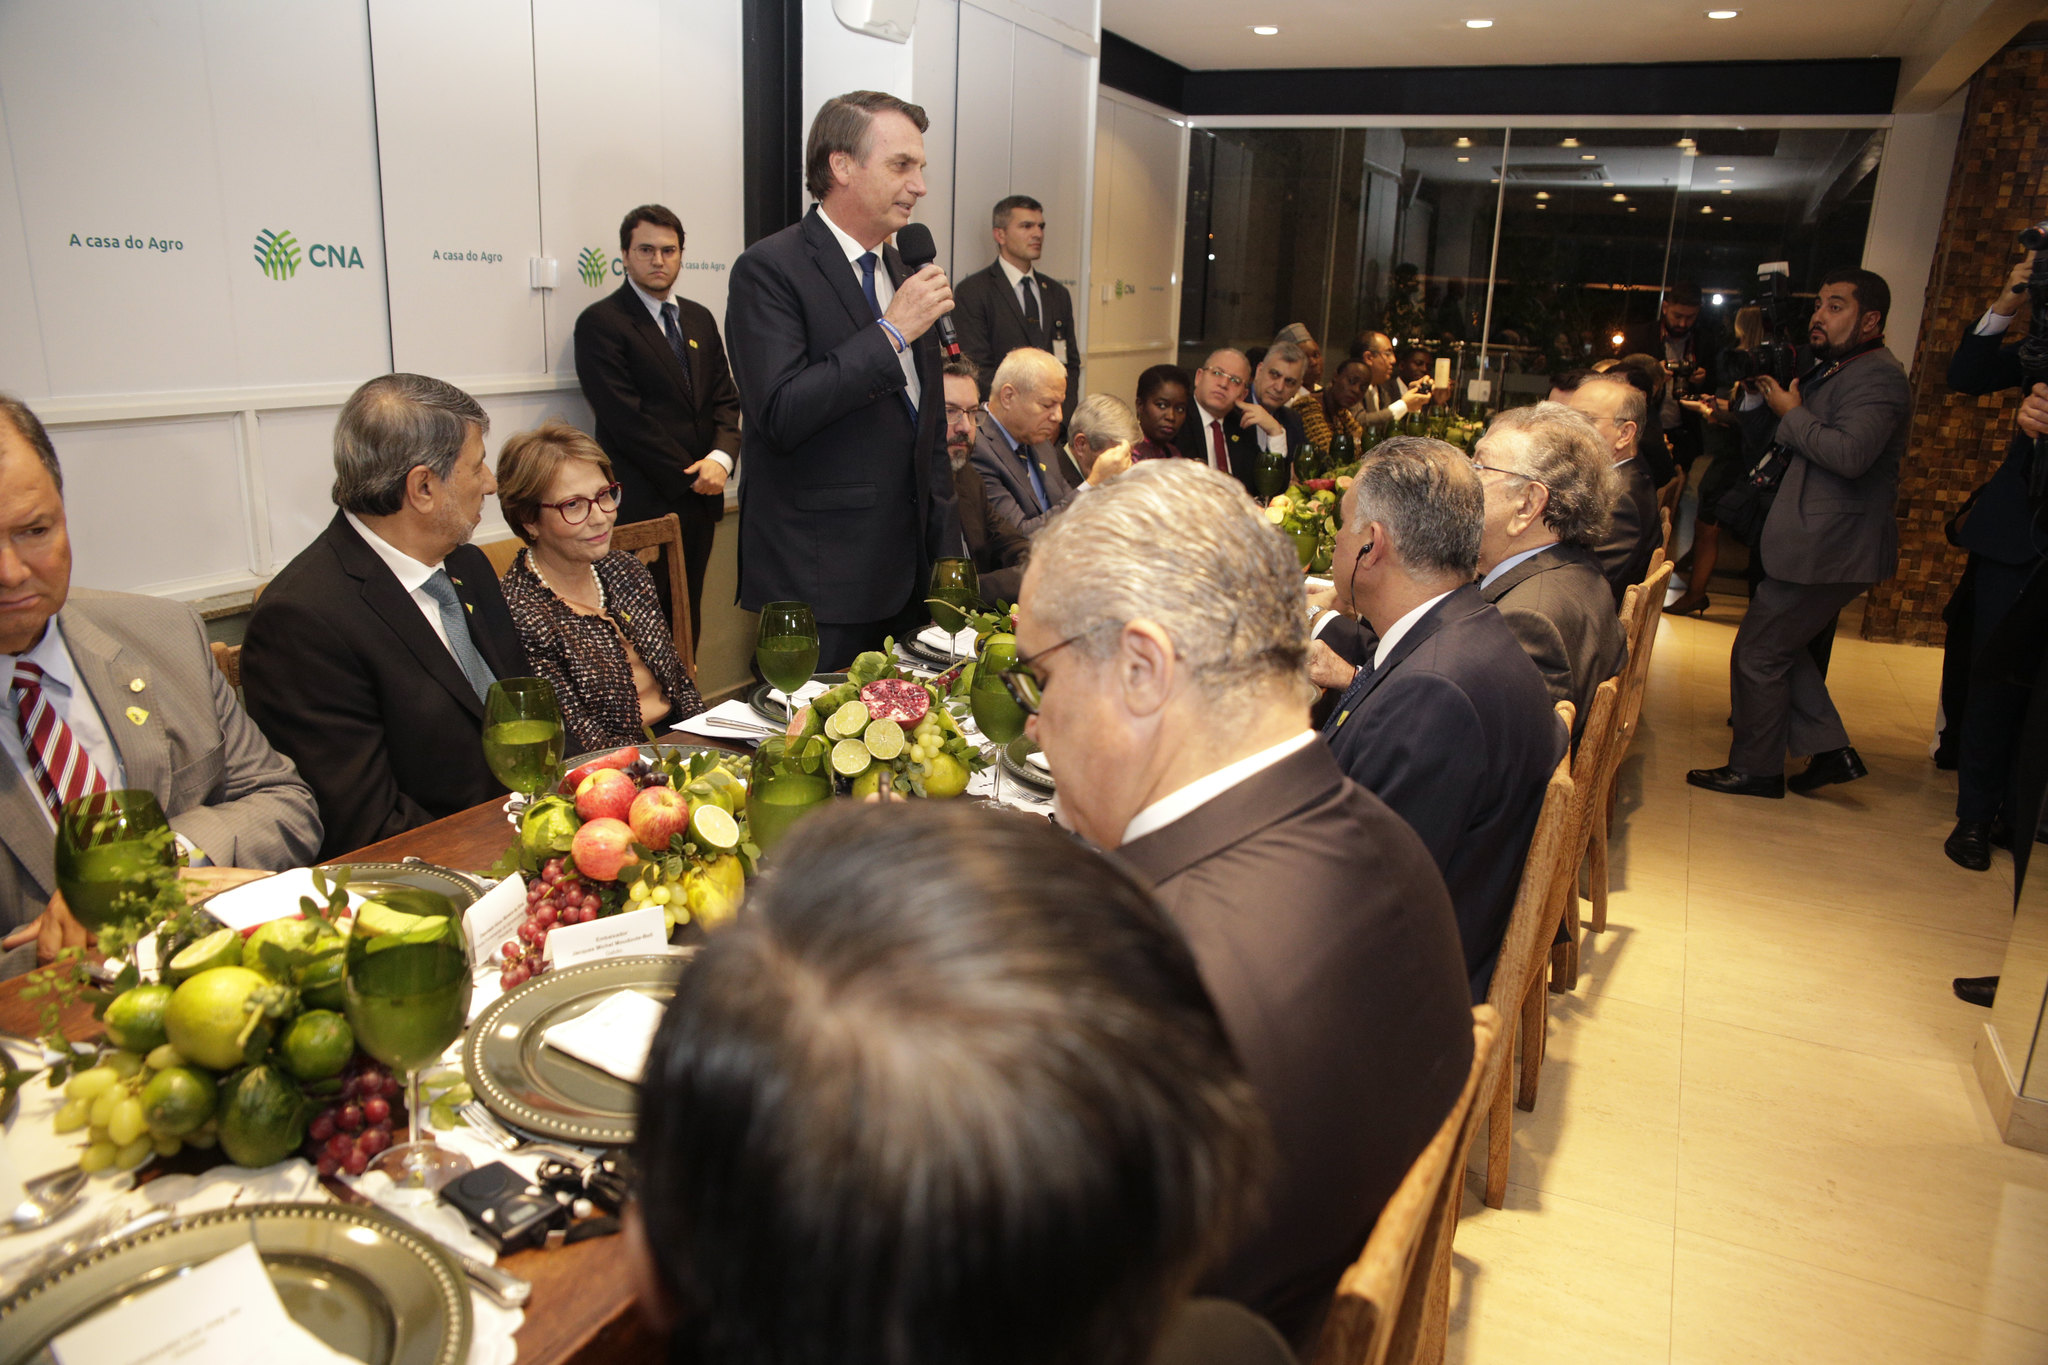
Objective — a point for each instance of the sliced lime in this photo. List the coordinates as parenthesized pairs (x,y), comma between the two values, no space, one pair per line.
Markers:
(714,827)
(848,721)
(850,758)
(374,918)
(221,948)
(884,739)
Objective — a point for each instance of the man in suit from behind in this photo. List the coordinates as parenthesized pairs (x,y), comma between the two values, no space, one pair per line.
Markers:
(1635,529)
(1440,713)
(1010,304)
(848,496)
(1549,485)
(1830,535)
(654,370)
(368,658)
(998,551)
(1230,425)
(113,690)
(1181,740)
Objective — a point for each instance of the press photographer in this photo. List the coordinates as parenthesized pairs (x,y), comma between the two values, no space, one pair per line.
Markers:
(1829,535)
(1685,346)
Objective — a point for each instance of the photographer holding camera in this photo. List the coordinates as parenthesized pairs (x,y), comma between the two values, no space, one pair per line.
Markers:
(1830,535)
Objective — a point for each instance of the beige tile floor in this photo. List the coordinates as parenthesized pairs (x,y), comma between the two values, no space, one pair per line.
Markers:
(1759,1137)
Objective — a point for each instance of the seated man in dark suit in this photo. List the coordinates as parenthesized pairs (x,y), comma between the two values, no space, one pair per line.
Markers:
(368,657)
(1441,714)
(1230,423)
(1549,485)
(998,551)
(112,690)
(1099,421)
(1180,736)
(1616,408)
(1021,470)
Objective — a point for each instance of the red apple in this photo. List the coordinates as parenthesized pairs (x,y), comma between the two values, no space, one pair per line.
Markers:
(603,846)
(605,794)
(658,815)
(622,758)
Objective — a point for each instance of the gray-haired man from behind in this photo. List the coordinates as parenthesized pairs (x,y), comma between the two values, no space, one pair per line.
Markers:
(368,658)
(1179,732)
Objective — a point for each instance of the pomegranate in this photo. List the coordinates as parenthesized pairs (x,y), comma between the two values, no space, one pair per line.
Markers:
(895,699)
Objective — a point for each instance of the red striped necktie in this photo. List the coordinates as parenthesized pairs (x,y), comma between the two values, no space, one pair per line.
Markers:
(63,769)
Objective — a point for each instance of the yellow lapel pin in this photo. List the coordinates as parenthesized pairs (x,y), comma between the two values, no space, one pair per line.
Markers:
(137,714)
(693,343)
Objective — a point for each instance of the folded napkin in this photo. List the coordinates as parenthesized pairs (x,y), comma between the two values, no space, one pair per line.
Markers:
(934,638)
(258,902)
(614,1037)
(749,726)
(1037,759)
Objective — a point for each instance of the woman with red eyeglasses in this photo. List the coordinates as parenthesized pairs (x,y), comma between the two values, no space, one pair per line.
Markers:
(587,613)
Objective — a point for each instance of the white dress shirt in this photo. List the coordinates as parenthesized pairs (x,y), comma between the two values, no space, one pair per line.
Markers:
(1993,324)
(885,290)
(1510,563)
(654,308)
(1211,425)
(1016,278)
(1203,790)
(411,574)
(73,705)
(1402,627)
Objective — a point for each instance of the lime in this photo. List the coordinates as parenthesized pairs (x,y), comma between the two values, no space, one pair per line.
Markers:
(135,1021)
(945,778)
(713,893)
(317,1045)
(549,826)
(320,980)
(290,936)
(714,827)
(208,1014)
(850,758)
(221,948)
(178,1099)
(848,721)
(262,1117)
(884,739)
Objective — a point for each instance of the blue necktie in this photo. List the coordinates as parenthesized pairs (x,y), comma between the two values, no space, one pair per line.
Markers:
(442,589)
(867,286)
(675,343)
(1037,483)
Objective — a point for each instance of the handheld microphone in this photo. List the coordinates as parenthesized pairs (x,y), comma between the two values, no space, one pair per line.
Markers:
(914,240)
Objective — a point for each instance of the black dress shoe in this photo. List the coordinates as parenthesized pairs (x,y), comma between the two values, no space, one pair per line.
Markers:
(1976,990)
(1969,845)
(1731,782)
(1839,765)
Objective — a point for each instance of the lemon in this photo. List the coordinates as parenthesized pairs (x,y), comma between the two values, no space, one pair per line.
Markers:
(884,739)
(221,948)
(135,1021)
(850,758)
(714,827)
(317,1045)
(208,1014)
(713,893)
(848,721)
(320,981)
(946,778)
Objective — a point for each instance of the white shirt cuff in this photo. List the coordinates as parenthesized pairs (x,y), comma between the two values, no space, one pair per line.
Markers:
(1322,619)
(1752,399)
(722,459)
(1399,407)
(1993,324)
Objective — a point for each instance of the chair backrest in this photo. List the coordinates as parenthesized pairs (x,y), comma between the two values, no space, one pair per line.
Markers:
(501,553)
(1588,767)
(228,659)
(1390,1303)
(1642,641)
(659,543)
(1525,947)
(1669,531)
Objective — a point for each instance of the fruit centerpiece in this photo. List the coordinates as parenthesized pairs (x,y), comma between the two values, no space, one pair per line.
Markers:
(1307,515)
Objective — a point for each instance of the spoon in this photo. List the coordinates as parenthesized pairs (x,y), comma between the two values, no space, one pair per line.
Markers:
(44,1198)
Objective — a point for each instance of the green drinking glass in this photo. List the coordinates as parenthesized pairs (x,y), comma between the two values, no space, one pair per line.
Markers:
(780,791)
(111,847)
(787,649)
(405,992)
(523,734)
(1270,474)
(956,590)
(996,712)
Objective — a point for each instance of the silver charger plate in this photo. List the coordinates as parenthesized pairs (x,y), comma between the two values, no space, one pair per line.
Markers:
(767,702)
(938,658)
(647,751)
(359,1279)
(542,1089)
(1014,757)
(463,888)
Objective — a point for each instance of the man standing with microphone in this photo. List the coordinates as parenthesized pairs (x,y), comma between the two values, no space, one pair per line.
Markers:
(848,494)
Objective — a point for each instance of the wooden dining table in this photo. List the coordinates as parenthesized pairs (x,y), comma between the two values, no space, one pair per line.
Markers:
(582,1310)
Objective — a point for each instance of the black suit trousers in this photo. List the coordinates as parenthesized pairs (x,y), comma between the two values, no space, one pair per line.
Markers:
(1779,693)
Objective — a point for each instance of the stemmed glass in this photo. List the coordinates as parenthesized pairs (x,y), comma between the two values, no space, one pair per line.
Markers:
(108,845)
(956,590)
(523,736)
(406,987)
(787,649)
(996,712)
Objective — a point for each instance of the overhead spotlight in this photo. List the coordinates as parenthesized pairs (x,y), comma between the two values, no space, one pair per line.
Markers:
(1727,191)
(1607,184)
(1588,156)
(1724,180)
(1617,338)
(1479,23)
(1685,142)
(1543,206)
(1706,208)
(1631,208)
(1543,194)
(1264,30)
(1727,220)
(1569,142)
(1463,142)
(1718,300)
(1621,199)
(1722,13)
(1464,158)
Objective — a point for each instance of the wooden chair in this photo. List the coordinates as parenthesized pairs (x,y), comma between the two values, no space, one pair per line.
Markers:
(660,542)
(1588,763)
(501,553)
(228,659)
(1393,1304)
(1646,601)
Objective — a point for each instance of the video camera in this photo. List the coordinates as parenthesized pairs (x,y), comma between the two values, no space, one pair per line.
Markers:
(1784,325)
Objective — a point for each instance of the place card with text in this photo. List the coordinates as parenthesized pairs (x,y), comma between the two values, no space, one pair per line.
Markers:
(225,1312)
(627,935)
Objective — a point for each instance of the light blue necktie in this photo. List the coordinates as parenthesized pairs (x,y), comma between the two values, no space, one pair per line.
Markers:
(867,286)
(455,623)
(1037,483)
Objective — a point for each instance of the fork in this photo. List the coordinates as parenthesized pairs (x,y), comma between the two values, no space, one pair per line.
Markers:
(489,1128)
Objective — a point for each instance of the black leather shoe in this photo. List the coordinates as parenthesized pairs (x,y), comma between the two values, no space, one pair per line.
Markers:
(1976,990)
(1969,845)
(1730,782)
(1841,765)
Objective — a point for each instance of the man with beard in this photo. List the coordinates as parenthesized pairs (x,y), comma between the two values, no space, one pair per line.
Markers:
(998,551)
(1684,347)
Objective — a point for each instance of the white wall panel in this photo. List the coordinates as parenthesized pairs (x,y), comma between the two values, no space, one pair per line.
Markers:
(837,59)
(1053,88)
(296,454)
(153,506)
(701,168)
(1140,168)
(935,86)
(981,173)
(455,139)
(22,372)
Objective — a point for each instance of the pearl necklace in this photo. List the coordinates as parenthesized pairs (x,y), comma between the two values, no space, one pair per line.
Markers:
(533,562)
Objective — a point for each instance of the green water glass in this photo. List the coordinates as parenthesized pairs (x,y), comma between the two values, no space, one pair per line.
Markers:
(523,734)
(786,650)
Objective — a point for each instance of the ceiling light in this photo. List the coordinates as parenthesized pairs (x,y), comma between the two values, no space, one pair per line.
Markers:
(1727,220)
(1543,206)
(1588,156)
(1264,30)
(1706,208)
(1727,191)
(1722,13)
(1464,158)
(1621,199)
(1569,142)
(1463,142)
(1543,194)
(1607,184)
(1631,208)
(1479,23)
(1724,168)
(1212,255)
(1724,181)
(1719,300)
(1685,142)
(1618,338)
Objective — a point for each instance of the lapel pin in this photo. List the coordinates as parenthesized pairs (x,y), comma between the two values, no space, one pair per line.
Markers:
(137,714)
(135,684)
(693,343)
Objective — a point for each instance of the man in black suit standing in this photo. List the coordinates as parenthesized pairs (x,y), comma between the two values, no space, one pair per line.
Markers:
(1830,535)
(1549,483)
(368,657)
(1228,429)
(848,496)
(1180,736)
(1617,409)
(1441,713)
(651,364)
(1010,304)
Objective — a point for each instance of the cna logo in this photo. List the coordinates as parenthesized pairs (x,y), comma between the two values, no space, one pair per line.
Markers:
(592,265)
(277,254)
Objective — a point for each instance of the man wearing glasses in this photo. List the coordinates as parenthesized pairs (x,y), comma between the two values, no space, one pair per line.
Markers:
(668,415)
(1180,738)
(1228,428)
(1376,349)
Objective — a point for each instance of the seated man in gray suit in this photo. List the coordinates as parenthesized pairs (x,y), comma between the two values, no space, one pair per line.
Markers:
(113,690)
(1180,736)
(1618,410)
(1020,466)
(1549,484)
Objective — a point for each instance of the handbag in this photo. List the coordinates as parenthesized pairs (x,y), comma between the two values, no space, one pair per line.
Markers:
(1743,509)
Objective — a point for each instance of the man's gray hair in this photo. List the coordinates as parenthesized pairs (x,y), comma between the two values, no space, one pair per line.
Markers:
(391,426)
(1228,594)
(1105,420)
(1287,353)
(30,428)
(1561,449)
(1296,332)
(1634,405)
(1427,495)
(1028,370)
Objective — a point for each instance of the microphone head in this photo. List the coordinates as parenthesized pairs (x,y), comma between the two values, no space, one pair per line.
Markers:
(914,240)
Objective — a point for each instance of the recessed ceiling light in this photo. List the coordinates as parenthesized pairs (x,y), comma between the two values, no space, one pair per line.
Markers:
(1724,181)
(1463,142)
(1727,191)
(1264,30)
(1727,220)
(1543,194)
(1724,168)
(1607,184)
(1706,208)
(1685,142)
(1722,13)
(1621,199)
(1464,158)
(1479,23)
(1631,208)
(1569,142)
(1588,156)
